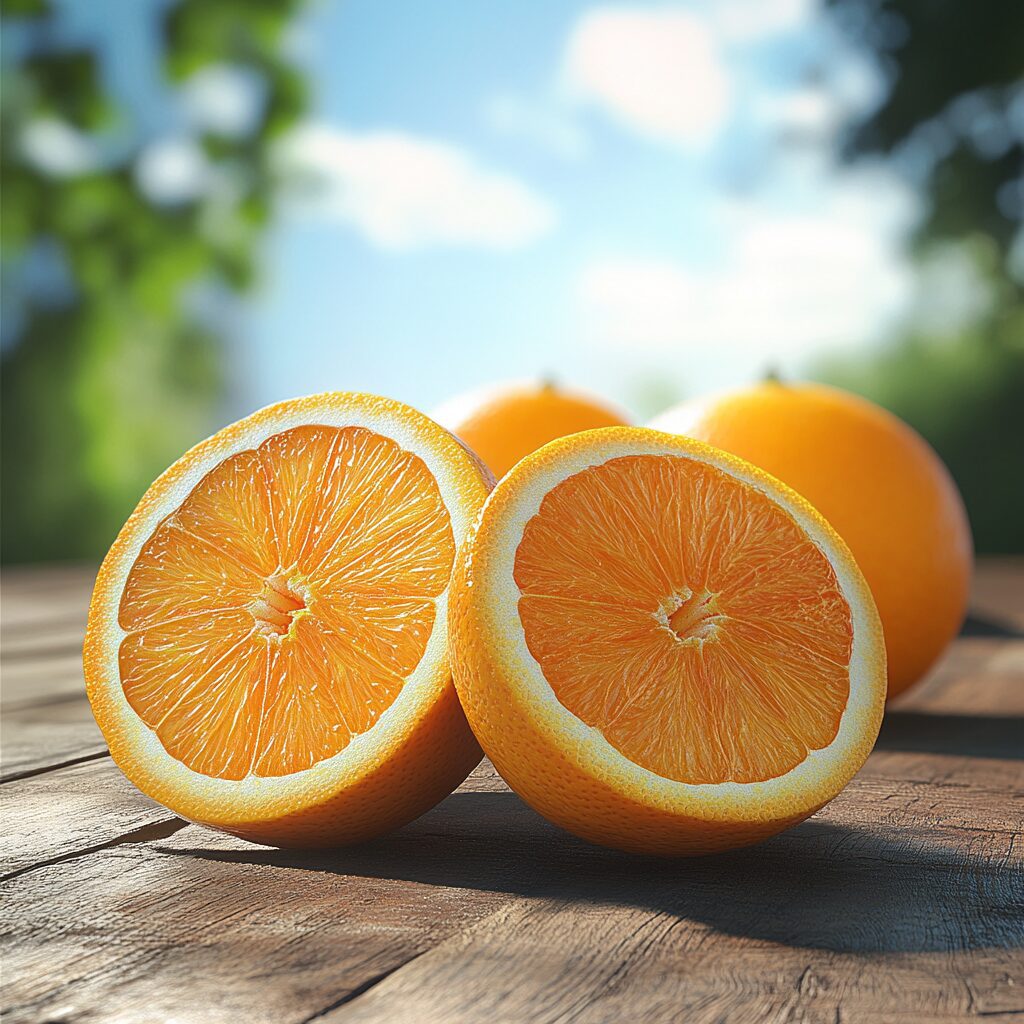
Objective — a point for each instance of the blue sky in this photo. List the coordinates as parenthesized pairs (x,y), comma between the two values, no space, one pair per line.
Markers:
(641,199)
(679,242)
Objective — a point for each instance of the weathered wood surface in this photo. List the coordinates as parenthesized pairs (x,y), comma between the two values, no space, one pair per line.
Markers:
(902,900)
(44,716)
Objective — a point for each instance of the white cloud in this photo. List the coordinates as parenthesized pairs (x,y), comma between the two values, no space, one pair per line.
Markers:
(662,72)
(791,283)
(225,99)
(744,21)
(659,72)
(58,149)
(810,111)
(405,192)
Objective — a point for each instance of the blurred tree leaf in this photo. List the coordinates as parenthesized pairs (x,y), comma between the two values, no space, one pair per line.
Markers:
(24,8)
(956,70)
(956,73)
(109,371)
(67,85)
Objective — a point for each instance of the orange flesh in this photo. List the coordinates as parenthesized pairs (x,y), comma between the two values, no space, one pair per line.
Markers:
(687,617)
(278,612)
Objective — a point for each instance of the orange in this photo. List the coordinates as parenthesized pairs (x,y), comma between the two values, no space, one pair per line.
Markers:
(505,423)
(662,648)
(877,482)
(267,647)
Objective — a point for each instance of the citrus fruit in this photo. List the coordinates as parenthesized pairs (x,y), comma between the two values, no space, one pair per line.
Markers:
(662,648)
(503,424)
(267,647)
(877,482)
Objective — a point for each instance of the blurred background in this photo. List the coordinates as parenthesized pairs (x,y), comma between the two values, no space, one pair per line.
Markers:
(209,205)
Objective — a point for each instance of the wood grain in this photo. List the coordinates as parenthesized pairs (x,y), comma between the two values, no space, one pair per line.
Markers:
(42,736)
(40,603)
(60,815)
(902,900)
(45,720)
(996,592)
(174,920)
(901,897)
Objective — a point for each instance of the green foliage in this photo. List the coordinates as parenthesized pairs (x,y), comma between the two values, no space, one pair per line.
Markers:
(112,372)
(956,69)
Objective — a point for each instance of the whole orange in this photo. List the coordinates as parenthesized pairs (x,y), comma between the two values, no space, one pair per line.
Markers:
(877,481)
(503,424)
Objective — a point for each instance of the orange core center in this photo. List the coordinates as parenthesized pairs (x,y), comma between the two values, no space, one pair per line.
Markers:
(277,605)
(696,617)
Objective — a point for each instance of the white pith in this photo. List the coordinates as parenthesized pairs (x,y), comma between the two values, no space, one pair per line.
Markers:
(586,745)
(258,794)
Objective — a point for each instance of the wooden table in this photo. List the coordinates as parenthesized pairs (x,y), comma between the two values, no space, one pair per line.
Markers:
(904,899)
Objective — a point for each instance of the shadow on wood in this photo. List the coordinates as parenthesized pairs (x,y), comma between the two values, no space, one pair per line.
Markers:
(965,735)
(820,886)
(986,625)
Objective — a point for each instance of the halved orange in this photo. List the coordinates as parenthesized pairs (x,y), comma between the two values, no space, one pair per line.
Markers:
(267,648)
(662,648)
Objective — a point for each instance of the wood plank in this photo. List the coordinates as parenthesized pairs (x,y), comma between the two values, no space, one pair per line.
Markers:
(213,942)
(56,636)
(39,738)
(972,704)
(897,896)
(46,721)
(998,589)
(44,614)
(62,814)
(901,900)
(977,675)
(42,679)
(663,974)
(196,925)
(34,596)
(925,871)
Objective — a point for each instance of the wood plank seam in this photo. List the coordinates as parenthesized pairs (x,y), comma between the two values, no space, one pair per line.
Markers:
(147,833)
(31,773)
(359,990)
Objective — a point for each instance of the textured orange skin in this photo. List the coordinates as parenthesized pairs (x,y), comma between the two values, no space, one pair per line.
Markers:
(878,482)
(429,758)
(539,768)
(506,425)
(434,758)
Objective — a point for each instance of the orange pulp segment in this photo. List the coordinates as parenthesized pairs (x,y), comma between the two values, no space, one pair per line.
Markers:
(687,617)
(276,614)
